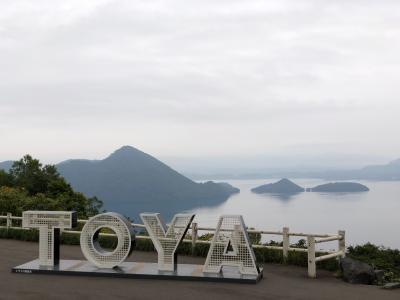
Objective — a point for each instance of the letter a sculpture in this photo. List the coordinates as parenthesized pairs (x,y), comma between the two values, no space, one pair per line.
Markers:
(231,247)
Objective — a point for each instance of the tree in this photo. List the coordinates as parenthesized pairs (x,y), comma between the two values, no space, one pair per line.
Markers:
(11,200)
(31,186)
(93,206)
(28,173)
(6,179)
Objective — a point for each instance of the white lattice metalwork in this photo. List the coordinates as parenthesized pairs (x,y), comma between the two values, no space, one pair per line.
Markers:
(49,224)
(89,240)
(166,240)
(231,247)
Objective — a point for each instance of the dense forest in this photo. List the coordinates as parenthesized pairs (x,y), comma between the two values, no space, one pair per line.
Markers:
(29,185)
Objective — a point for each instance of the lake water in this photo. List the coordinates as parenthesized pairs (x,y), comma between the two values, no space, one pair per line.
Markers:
(372,216)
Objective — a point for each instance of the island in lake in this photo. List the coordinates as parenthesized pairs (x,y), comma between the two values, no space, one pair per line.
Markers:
(285,186)
(340,187)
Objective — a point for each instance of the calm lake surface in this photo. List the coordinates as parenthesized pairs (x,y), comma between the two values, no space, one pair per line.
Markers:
(372,216)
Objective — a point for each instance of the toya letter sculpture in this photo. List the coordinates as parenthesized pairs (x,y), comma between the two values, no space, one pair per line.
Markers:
(230,257)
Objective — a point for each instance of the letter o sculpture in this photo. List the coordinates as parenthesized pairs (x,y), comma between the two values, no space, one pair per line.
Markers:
(94,252)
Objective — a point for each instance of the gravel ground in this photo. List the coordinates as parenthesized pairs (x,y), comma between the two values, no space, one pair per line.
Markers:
(280,282)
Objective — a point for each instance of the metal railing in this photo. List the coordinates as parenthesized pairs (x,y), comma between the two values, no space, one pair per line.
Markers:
(312,240)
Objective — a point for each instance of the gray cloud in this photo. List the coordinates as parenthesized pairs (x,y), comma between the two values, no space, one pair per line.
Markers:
(199,77)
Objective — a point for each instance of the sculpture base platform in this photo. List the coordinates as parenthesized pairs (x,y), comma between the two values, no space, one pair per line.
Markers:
(138,270)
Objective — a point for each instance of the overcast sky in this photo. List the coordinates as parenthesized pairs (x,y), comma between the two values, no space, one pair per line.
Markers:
(205,78)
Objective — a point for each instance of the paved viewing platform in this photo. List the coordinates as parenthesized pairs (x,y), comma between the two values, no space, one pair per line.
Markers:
(280,282)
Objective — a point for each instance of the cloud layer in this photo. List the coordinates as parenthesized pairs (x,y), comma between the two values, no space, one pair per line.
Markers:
(193,78)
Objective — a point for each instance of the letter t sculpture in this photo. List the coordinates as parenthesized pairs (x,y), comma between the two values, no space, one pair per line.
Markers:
(49,224)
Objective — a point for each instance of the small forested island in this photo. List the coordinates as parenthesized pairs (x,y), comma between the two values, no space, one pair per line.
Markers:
(340,187)
(283,186)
